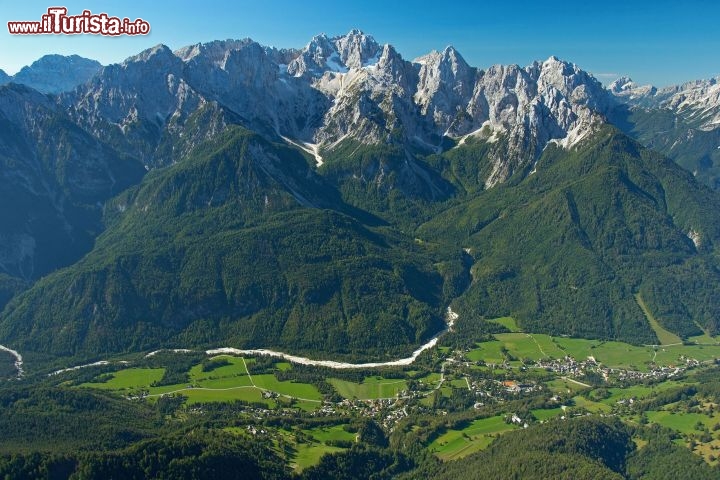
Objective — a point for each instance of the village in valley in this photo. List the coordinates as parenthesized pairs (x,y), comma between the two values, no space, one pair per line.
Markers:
(457,399)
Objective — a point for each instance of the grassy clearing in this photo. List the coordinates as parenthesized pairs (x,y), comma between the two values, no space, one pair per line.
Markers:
(704,339)
(547,413)
(665,337)
(306,453)
(371,388)
(611,354)
(430,380)
(306,406)
(487,351)
(309,454)
(548,347)
(562,386)
(247,394)
(459,383)
(671,355)
(297,390)
(130,379)
(591,406)
(618,354)
(638,392)
(336,432)
(682,422)
(456,444)
(236,368)
(577,348)
(520,345)
(221,383)
(224,384)
(509,323)
(283,366)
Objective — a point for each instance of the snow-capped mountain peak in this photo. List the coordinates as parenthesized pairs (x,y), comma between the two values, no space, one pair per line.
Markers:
(626,89)
(350,87)
(356,49)
(446,82)
(622,84)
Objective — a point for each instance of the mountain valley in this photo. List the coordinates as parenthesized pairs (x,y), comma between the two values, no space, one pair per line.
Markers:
(239,261)
(505,191)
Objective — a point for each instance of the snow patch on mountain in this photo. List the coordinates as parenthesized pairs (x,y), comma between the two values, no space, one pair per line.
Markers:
(349,87)
(311,148)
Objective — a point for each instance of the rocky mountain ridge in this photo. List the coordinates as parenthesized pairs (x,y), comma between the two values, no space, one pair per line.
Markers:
(346,88)
(680,121)
(55,177)
(697,101)
(54,74)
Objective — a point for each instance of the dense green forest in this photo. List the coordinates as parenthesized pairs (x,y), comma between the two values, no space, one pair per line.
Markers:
(565,250)
(244,243)
(234,246)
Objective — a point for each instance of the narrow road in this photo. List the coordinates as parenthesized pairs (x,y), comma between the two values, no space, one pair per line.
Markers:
(576,382)
(252,382)
(442,376)
(545,355)
(252,385)
(231,388)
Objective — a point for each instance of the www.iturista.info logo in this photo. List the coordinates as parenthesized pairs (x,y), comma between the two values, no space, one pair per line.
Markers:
(57,22)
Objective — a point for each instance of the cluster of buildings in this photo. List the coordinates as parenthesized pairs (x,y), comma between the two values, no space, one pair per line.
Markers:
(570,367)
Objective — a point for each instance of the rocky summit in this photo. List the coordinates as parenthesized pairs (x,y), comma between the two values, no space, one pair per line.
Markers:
(54,73)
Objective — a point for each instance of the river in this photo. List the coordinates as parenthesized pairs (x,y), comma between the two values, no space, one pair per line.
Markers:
(450,318)
(18,360)
(450,322)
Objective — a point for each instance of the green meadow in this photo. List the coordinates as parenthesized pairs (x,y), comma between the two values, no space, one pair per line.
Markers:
(456,444)
(247,394)
(129,379)
(226,383)
(307,453)
(297,390)
(542,414)
(681,421)
(371,388)
(665,337)
(508,322)
(522,346)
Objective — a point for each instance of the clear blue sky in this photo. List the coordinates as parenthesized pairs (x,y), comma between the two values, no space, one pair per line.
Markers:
(659,42)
